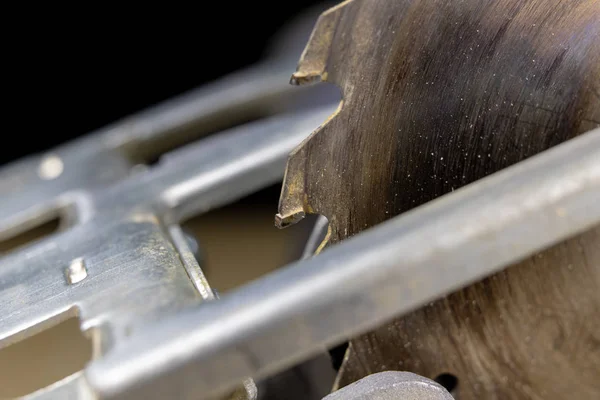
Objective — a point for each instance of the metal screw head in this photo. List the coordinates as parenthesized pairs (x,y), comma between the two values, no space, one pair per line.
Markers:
(51,167)
(76,271)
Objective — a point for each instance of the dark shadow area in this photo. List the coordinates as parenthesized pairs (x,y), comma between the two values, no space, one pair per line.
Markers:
(29,236)
(448,381)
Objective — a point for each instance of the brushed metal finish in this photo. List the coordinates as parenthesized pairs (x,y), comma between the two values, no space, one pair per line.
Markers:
(122,228)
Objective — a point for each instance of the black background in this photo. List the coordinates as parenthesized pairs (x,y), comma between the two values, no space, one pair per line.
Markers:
(70,70)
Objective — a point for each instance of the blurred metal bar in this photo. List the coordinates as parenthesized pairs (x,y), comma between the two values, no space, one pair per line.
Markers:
(255,92)
(216,170)
(357,285)
(225,102)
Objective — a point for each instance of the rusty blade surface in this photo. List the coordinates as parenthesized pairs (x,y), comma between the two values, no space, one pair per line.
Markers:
(436,95)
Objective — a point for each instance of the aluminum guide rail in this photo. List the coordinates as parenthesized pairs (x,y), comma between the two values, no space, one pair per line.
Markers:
(136,267)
